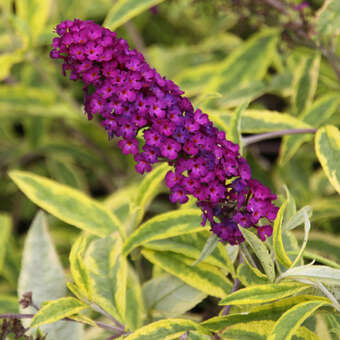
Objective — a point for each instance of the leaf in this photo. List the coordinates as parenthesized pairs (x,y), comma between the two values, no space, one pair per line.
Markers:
(67,204)
(290,210)
(163,328)
(259,121)
(328,18)
(124,10)
(319,273)
(43,275)
(9,304)
(318,114)
(327,148)
(56,310)
(208,248)
(289,322)
(305,83)
(247,63)
(261,252)
(168,295)
(147,190)
(263,293)
(7,60)
(135,309)
(298,218)
(234,130)
(191,246)
(203,277)
(280,252)
(305,240)
(163,226)
(248,275)
(5,230)
(108,271)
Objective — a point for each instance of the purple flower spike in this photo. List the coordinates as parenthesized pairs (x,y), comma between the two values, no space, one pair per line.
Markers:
(128,95)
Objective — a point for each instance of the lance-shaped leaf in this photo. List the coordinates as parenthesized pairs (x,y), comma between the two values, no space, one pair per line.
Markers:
(318,114)
(168,295)
(327,148)
(204,277)
(164,328)
(322,274)
(305,83)
(67,204)
(108,271)
(163,226)
(298,218)
(208,248)
(291,320)
(263,293)
(56,310)
(328,18)
(9,304)
(43,275)
(191,245)
(261,252)
(234,130)
(5,229)
(249,275)
(279,249)
(147,190)
(124,10)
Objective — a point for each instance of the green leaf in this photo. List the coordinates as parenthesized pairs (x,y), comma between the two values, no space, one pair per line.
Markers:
(169,296)
(234,130)
(261,252)
(291,320)
(5,230)
(9,304)
(305,83)
(67,204)
(319,273)
(248,275)
(108,271)
(124,10)
(163,226)
(34,14)
(263,293)
(298,218)
(43,275)
(279,249)
(318,114)
(191,246)
(7,60)
(163,328)
(327,148)
(56,310)
(135,309)
(147,191)
(247,63)
(328,18)
(290,210)
(203,277)
(208,248)
(258,121)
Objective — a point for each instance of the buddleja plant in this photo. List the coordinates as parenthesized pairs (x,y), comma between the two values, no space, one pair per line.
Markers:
(229,238)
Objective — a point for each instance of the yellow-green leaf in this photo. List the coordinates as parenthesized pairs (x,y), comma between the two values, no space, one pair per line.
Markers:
(191,246)
(163,328)
(279,249)
(328,18)
(5,229)
(7,60)
(108,271)
(327,148)
(9,304)
(164,226)
(67,204)
(147,190)
(124,10)
(263,293)
(204,277)
(56,310)
(234,130)
(261,252)
(319,113)
(289,322)
(249,275)
(305,83)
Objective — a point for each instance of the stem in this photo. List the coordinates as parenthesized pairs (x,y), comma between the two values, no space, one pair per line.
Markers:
(135,36)
(274,134)
(236,286)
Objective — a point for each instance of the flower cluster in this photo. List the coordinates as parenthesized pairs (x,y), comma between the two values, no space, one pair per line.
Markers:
(132,98)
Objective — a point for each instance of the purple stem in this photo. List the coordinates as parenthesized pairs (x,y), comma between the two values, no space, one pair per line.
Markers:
(236,286)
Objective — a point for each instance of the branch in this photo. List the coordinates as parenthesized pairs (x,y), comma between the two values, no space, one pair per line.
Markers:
(274,134)
(236,286)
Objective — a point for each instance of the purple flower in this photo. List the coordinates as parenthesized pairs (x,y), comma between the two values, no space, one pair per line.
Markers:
(130,96)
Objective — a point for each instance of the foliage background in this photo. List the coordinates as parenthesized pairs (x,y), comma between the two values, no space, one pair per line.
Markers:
(214,51)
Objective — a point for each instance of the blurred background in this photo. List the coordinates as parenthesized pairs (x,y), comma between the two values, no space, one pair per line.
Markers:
(283,58)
